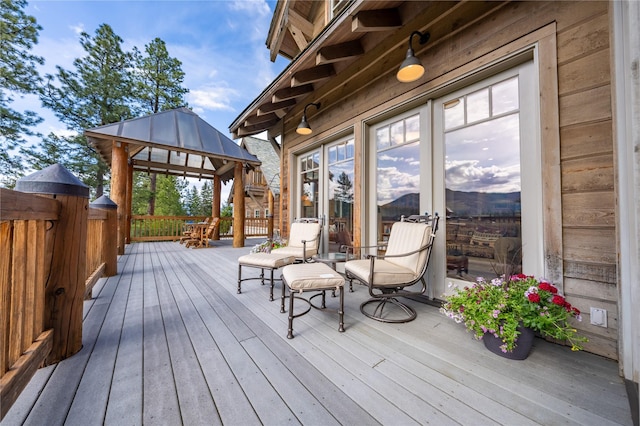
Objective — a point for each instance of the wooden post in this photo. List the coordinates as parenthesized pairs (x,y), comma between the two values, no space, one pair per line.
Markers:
(238,206)
(109,230)
(64,292)
(215,203)
(119,173)
(127,237)
(270,217)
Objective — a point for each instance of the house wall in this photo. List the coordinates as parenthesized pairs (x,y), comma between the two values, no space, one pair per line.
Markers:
(576,112)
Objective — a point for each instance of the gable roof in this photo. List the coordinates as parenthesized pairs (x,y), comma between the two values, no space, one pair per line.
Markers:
(267,154)
(176,142)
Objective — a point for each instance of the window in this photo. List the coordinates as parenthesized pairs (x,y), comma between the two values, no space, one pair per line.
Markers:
(256,213)
(397,170)
(266,212)
(487,178)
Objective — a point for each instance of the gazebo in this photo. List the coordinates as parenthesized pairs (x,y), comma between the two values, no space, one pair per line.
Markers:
(175,142)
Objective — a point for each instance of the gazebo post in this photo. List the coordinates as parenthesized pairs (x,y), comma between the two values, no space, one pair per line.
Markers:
(215,203)
(127,236)
(238,205)
(119,177)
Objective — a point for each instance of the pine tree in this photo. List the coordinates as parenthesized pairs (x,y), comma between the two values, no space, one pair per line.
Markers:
(169,196)
(18,76)
(158,87)
(97,92)
(206,197)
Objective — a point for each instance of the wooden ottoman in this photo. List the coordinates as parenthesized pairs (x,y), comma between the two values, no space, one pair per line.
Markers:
(263,261)
(303,277)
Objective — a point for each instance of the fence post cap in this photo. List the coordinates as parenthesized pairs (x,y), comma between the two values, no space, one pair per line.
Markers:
(54,179)
(104,202)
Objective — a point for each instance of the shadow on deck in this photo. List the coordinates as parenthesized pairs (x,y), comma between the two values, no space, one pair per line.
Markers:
(168,341)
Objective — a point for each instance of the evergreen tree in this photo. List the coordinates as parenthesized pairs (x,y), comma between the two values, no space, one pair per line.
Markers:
(344,190)
(193,202)
(158,85)
(159,78)
(18,76)
(72,152)
(206,197)
(97,92)
(141,193)
(169,196)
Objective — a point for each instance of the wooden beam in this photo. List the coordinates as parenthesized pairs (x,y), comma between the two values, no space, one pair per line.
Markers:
(311,75)
(301,23)
(298,37)
(22,206)
(143,165)
(280,24)
(257,119)
(275,106)
(376,20)
(224,168)
(16,379)
(291,92)
(339,52)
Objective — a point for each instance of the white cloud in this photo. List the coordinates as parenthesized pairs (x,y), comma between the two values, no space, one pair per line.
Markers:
(213,97)
(77,28)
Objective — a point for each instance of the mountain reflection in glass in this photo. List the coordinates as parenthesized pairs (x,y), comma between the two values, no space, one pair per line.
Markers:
(398,172)
(483,182)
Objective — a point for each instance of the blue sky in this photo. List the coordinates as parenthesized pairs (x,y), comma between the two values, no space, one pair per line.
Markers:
(221,44)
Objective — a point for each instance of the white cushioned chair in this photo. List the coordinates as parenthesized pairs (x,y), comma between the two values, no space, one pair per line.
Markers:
(402,265)
(304,240)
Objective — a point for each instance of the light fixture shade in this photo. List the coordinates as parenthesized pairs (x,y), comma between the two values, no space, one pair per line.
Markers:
(411,69)
(304,128)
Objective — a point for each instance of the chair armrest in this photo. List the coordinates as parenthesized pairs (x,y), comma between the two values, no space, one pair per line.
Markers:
(352,249)
(383,256)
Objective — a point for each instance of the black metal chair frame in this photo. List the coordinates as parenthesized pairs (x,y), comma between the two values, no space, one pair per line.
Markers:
(381,295)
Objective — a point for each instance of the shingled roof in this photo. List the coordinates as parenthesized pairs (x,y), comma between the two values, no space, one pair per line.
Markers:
(268,155)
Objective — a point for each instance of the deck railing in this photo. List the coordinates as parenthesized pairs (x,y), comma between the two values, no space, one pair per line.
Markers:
(169,228)
(39,260)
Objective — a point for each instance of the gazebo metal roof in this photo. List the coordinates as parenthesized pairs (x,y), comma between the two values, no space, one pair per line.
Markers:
(175,142)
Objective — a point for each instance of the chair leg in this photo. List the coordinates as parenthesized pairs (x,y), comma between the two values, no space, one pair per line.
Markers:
(341,311)
(271,290)
(381,303)
(290,331)
(282,311)
(239,278)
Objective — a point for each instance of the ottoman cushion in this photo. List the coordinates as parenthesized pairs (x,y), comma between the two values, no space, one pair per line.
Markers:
(311,276)
(266,260)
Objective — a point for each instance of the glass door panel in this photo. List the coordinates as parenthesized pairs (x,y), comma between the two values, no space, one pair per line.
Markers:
(310,179)
(397,172)
(339,182)
(483,186)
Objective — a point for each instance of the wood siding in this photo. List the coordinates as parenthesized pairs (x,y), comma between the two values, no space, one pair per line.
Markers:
(467,36)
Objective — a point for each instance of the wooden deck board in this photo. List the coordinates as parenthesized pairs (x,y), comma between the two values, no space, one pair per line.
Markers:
(168,341)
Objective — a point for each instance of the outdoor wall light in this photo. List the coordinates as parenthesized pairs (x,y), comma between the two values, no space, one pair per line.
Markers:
(411,68)
(303,127)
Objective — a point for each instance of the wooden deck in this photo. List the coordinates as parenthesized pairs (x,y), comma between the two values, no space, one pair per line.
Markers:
(168,341)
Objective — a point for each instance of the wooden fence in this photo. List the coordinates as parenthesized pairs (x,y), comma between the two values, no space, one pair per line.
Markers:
(169,228)
(38,323)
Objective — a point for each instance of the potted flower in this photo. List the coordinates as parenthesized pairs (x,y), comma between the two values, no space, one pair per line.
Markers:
(269,244)
(503,309)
